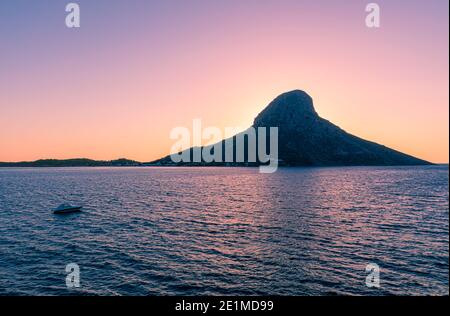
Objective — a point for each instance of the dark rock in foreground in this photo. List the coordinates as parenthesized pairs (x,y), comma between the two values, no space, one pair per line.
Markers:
(306,139)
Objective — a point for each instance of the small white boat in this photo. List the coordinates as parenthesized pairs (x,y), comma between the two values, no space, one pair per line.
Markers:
(66,208)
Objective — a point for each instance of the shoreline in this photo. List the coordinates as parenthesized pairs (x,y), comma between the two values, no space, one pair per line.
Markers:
(211,165)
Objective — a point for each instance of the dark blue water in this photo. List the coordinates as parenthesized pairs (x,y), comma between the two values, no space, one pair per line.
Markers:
(233,231)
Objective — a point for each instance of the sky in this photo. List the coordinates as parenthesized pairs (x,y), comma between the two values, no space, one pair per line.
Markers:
(134,70)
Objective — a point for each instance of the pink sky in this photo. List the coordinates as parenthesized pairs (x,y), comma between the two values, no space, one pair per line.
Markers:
(118,85)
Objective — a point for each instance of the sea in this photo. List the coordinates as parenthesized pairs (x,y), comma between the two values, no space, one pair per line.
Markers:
(225,231)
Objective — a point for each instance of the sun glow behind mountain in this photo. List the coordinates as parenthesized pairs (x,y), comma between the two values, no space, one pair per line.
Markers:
(119,84)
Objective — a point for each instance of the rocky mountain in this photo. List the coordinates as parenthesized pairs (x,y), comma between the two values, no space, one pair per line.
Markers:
(306,139)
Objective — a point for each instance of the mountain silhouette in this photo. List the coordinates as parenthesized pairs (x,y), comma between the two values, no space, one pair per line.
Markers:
(306,139)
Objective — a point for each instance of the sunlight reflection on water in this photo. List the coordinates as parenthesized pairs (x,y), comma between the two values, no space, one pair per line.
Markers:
(230,231)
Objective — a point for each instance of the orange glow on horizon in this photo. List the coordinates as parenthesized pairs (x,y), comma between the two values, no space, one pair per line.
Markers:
(111,91)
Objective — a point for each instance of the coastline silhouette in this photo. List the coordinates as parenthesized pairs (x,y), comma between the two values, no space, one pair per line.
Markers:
(305,139)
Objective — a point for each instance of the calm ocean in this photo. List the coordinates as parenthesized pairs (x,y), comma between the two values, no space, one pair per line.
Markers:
(225,231)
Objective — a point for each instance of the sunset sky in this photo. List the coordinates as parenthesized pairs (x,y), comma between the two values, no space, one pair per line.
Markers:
(116,86)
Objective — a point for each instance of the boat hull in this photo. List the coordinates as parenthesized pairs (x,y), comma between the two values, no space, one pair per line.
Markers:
(68,210)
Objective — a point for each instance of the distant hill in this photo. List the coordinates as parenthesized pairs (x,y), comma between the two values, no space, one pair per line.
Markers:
(306,139)
(78,162)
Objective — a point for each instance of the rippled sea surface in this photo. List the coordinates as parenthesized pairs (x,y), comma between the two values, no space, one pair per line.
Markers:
(225,231)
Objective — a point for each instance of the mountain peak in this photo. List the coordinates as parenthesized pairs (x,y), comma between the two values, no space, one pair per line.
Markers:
(291,106)
(295,93)
(306,139)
